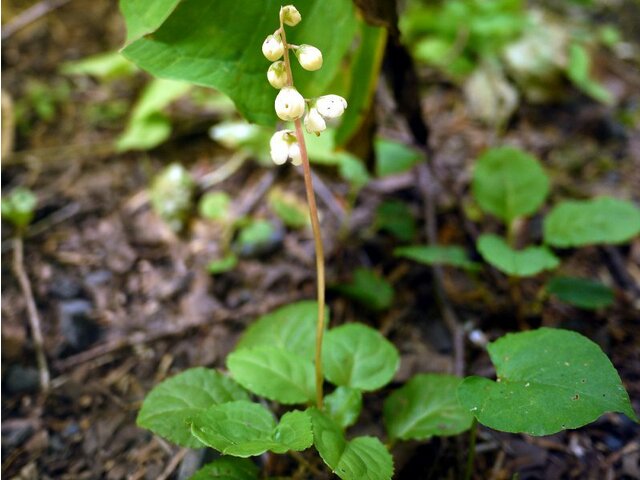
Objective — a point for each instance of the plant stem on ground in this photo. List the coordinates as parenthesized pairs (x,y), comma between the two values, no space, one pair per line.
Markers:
(317,235)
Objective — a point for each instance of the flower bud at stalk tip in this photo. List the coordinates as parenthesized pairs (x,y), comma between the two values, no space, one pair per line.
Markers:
(310,57)
(290,15)
(272,47)
(289,104)
(331,106)
(277,75)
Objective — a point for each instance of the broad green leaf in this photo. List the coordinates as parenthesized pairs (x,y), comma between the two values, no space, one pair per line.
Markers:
(257,236)
(357,356)
(509,183)
(292,327)
(352,169)
(218,44)
(105,66)
(578,71)
(145,16)
(364,73)
(215,205)
(394,157)
(291,210)
(227,468)
(245,429)
(274,373)
(225,264)
(343,405)
(169,408)
(426,406)
(519,263)
(19,207)
(395,217)
(148,127)
(368,288)
(363,458)
(581,292)
(448,255)
(548,380)
(591,222)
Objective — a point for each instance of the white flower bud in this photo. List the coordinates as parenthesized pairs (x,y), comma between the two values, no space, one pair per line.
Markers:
(290,15)
(277,75)
(309,57)
(273,48)
(289,104)
(313,122)
(295,155)
(279,145)
(331,106)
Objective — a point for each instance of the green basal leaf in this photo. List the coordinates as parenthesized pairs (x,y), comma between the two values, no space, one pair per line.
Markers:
(245,429)
(170,407)
(519,263)
(590,222)
(292,327)
(579,72)
(363,458)
(105,66)
(394,157)
(548,380)
(292,211)
(171,194)
(19,207)
(225,264)
(274,373)
(227,468)
(368,288)
(448,255)
(257,236)
(218,45)
(364,73)
(215,206)
(509,183)
(426,406)
(581,292)
(358,356)
(145,16)
(343,405)
(395,217)
(148,127)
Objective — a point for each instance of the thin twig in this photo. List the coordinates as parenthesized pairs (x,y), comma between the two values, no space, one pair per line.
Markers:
(173,464)
(315,226)
(473,435)
(30,15)
(34,318)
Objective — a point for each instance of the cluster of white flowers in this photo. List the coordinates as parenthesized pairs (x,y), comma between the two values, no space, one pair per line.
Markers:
(290,105)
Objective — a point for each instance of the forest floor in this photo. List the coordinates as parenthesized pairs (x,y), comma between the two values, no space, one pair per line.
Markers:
(125,302)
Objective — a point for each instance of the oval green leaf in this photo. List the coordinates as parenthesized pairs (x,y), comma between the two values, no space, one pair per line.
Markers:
(509,183)
(519,263)
(358,356)
(590,222)
(581,292)
(274,373)
(227,468)
(448,255)
(548,380)
(343,405)
(368,288)
(169,408)
(426,406)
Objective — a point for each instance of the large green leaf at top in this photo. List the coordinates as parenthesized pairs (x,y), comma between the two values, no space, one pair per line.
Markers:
(509,183)
(292,327)
(274,373)
(218,44)
(169,408)
(245,429)
(363,458)
(519,263)
(227,468)
(357,356)
(426,406)
(590,222)
(145,16)
(548,380)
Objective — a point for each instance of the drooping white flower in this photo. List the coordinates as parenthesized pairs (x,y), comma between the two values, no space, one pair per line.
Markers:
(331,106)
(313,121)
(310,57)
(277,75)
(272,47)
(289,104)
(284,146)
(290,15)
(295,154)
